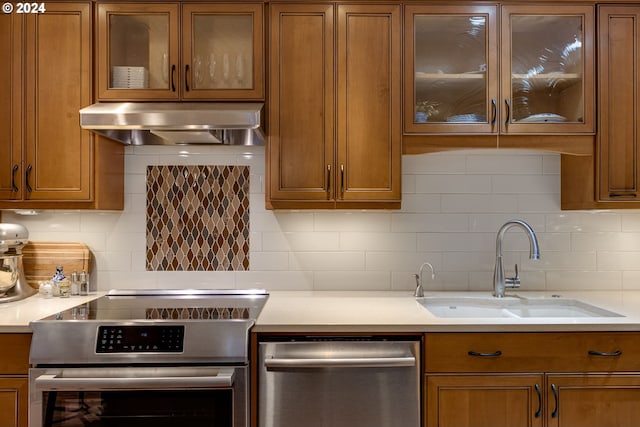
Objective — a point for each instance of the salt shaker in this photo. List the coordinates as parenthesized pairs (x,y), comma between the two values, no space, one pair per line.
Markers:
(84,283)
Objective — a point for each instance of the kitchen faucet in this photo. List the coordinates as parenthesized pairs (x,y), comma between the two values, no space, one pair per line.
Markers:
(419,293)
(499,281)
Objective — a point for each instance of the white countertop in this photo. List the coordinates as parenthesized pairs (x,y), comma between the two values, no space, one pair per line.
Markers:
(15,316)
(400,312)
(362,311)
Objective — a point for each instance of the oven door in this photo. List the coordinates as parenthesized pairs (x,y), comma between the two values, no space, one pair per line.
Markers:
(138,397)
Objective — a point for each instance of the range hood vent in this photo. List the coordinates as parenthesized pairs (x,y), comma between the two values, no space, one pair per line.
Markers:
(176,123)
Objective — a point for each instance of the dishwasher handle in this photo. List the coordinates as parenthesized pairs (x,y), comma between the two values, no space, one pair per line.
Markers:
(274,364)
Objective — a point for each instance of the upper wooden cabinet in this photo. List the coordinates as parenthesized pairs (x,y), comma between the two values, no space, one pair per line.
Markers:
(171,51)
(611,178)
(334,112)
(47,160)
(516,69)
(619,104)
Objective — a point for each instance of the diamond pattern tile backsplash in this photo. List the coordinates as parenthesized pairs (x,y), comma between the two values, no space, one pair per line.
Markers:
(197,218)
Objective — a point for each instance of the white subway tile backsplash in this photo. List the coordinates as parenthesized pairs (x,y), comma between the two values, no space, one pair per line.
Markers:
(432,164)
(368,241)
(627,261)
(399,261)
(630,280)
(406,223)
(269,261)
(421,203)
(583,280)
(550,164)
(583,221)
(491,223)
(327,261)
(352,221)
(478,203)
(525,184)
(538,202)
(458,184)
(453,205)
(352,281)
(504,165)
(455,242)
(300,241)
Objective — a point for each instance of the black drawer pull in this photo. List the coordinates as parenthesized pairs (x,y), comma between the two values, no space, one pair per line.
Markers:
(554,389)
(623,195)
(605,354)
(494,354)
(539,393)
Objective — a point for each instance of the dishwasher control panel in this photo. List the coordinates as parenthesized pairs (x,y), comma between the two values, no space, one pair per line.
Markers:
(140,339)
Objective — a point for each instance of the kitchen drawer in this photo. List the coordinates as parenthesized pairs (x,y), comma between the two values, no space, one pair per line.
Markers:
(532,352)
(14,353)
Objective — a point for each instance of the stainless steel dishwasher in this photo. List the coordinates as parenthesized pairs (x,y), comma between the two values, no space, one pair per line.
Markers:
(324,381)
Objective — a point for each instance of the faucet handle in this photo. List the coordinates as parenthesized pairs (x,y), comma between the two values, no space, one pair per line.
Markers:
(513,282)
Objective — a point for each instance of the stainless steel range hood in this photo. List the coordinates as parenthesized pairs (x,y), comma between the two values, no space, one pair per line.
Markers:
(171,123)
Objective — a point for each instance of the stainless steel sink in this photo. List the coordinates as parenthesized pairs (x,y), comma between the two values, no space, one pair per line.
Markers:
(513,307)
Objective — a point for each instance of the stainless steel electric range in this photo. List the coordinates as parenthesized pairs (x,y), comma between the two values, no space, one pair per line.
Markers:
(145,358)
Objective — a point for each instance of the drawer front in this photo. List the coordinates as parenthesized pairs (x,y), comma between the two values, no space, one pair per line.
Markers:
(532,352)
(14,353)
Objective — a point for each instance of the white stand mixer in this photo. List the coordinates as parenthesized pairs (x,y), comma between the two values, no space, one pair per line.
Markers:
(13,284)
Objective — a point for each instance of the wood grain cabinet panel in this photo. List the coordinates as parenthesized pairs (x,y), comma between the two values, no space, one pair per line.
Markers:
(334,123)
(610,179)
(484,401)
(557,379)
(596,400)
(14,380)
(50,161)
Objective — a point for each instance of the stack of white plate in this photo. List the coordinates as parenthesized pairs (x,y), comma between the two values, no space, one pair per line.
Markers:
(129,77)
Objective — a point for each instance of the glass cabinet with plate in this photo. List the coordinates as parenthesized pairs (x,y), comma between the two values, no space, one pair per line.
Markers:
(499,69)
(172,51)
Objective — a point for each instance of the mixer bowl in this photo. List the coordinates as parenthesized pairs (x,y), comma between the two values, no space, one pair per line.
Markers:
(9,273)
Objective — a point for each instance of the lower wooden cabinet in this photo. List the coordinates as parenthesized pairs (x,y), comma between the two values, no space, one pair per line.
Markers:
(593,400)
(555,379)
(14,379)
(14,403)
(484,400)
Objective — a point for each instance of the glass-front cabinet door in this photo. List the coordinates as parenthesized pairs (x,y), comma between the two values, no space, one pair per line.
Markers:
(547,81)
(162,52)
(535,76)
(138,51)
(451,75)
(222,50)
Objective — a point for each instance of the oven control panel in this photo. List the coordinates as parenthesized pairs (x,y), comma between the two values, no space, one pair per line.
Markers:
(140,339)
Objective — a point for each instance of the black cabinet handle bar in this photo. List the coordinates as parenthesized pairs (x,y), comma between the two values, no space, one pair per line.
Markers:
(476,354)
(14,187)
(605,354)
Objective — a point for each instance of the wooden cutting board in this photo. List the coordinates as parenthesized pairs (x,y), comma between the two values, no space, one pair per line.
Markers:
(40,259)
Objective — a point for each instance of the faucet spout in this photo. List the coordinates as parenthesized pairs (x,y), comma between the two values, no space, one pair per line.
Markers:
(500,283)
(419,292)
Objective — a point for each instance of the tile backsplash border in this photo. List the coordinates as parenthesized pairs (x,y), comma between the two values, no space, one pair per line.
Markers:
(453,204)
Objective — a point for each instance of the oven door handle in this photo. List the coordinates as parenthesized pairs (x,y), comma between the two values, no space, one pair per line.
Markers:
(273,364)
(222,379)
